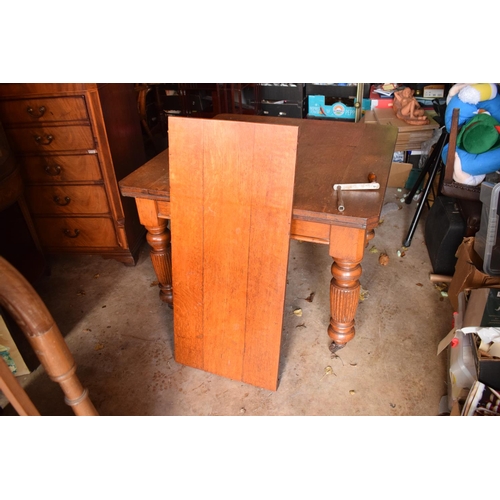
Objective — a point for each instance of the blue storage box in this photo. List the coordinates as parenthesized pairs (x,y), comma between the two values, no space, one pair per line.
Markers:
(337,110)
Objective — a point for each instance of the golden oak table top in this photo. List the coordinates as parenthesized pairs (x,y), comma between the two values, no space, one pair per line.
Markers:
(328,153)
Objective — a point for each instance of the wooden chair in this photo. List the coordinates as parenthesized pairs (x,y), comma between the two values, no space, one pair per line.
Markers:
(27,309)
(448,186)
(467,197)
(152,118)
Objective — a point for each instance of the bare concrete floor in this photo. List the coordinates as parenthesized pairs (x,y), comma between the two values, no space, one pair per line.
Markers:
(121,336)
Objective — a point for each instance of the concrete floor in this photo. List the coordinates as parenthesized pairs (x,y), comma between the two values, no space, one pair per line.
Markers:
(121,336)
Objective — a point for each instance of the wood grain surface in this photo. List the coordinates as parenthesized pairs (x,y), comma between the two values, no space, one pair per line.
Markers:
(231,200)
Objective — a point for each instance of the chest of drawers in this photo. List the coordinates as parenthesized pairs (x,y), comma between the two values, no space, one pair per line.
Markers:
(74,142)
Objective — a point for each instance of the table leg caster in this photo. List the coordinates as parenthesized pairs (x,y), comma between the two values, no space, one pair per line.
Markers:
(336,347)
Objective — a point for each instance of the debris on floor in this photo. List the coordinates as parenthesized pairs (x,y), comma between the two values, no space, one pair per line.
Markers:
(383,259)
(328,371)
(389,207)
(376,369)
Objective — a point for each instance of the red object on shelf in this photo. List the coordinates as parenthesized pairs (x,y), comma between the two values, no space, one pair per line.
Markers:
(380,102)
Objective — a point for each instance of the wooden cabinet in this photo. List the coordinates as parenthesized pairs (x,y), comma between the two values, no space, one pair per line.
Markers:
(74,142)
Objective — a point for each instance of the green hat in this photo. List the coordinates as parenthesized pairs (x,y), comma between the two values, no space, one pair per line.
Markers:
(479,134)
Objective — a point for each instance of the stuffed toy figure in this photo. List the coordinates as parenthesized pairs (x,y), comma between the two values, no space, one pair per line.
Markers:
(478,141)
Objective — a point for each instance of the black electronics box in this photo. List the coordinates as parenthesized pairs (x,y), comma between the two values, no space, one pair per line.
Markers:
(282,99)
(444,231)
(345,91)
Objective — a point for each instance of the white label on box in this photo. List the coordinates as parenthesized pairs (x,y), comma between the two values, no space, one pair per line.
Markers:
(433,93)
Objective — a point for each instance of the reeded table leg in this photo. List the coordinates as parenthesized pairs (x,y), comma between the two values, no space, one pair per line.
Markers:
(346,247)
(158,237)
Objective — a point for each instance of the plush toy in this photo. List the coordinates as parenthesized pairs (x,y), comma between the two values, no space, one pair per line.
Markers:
(478,142)
(472,93)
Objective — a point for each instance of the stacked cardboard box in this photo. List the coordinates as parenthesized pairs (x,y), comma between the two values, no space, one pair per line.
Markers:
(410,137)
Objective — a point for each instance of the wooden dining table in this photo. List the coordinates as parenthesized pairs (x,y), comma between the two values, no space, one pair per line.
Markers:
(328,152)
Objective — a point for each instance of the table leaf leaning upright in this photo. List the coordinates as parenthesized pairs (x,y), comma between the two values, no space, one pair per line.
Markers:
(328,153)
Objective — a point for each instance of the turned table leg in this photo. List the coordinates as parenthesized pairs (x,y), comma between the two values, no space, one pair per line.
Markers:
(158,237)
(346,248)
(370,234)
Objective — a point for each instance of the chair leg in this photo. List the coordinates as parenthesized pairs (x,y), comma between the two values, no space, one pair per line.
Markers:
(28,310)
(14,393)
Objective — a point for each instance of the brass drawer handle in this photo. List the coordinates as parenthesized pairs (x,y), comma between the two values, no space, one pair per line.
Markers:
(70,234)
(53,169)
(41,111)
(66,201)
(45,140)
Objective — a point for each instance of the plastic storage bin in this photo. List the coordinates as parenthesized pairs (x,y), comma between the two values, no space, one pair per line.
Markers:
(461,365)
(487,240)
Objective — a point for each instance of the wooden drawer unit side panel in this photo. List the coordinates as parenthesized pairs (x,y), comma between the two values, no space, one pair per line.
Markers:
(76,232)
(43,110)
(42,138)
(51,169)
(113,111)
(66,199)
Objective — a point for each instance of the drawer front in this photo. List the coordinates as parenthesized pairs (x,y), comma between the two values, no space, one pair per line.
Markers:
(287,109)
(76,232)
(67,199)
(47,138)
(69,168)
(47,109)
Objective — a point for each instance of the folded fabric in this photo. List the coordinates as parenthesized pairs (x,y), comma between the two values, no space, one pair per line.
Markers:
(479,134)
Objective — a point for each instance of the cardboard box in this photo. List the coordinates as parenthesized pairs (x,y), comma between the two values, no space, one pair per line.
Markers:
(468,272)
(481,401)
(487,368)
(435,91)
(399,174)
(318,107)
(10,353)
(483,310)
(410,137)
